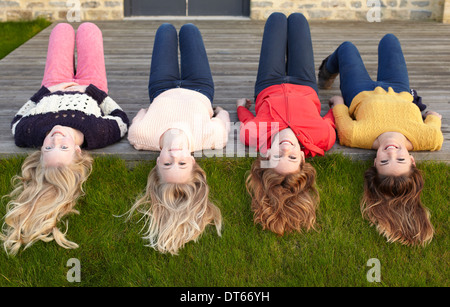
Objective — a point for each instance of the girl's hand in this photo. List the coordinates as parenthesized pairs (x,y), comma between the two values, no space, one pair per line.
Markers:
(61,86)
(217,110)
(243,102)
(76,88)
(433,113)
(335,100)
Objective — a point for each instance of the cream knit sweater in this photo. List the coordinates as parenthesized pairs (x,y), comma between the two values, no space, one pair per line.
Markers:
(184,109)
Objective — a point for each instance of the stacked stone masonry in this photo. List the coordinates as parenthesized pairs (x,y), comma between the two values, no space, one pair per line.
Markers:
(76,10)
(69,10)
(352,9)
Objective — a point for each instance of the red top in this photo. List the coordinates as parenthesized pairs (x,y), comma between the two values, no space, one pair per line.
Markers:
(288,105)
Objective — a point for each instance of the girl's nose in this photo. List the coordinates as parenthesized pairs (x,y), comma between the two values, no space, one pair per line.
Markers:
(285,147)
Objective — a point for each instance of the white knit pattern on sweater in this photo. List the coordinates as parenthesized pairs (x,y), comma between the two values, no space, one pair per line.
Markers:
(73,102)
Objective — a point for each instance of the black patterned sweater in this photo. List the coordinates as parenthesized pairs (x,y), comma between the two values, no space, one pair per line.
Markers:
(94,113)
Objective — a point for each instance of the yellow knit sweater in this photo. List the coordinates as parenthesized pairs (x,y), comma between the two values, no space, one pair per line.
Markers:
(184,109)
(372,113)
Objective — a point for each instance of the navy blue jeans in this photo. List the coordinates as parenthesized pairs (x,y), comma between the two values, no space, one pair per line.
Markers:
(354,78)
(286,53)
(193,73)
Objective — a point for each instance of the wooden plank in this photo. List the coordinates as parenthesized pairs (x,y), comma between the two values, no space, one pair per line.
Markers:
(233,48)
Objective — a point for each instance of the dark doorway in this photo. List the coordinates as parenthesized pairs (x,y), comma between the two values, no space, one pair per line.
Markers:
(186,8)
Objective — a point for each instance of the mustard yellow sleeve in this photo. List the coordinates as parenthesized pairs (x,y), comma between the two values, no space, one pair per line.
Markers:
(433,121)
(344,124)
(434,135)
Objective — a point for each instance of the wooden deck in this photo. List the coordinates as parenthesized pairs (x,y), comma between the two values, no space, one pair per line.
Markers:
(233,49)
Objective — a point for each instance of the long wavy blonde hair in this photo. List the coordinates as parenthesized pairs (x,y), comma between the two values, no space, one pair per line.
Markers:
(283,203)
(393,205)
(176,213)
(41,196)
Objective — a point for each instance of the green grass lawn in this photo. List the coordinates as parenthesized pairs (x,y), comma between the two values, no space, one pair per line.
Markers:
(15,33)
(112,252)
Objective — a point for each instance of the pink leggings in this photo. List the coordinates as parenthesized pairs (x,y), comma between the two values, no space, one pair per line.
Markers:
(60,64)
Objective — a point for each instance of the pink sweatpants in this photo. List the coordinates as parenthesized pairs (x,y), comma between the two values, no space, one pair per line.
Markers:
(60,64)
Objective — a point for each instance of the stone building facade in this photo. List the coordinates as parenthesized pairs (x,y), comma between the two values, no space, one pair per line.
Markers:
(353,9)
(69,10)
(76,10)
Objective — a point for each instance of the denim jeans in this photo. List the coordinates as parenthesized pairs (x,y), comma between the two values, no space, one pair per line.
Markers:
(194,66)
(286,53)
(354,78)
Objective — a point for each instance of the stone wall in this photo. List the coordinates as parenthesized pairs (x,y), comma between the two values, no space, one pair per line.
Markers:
(352,9)
(446,15)
(69,10)
(378,10)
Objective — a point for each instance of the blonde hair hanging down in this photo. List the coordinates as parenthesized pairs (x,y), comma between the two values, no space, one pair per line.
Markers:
(283,203)
(393,205)
(41,196)
(176,213)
